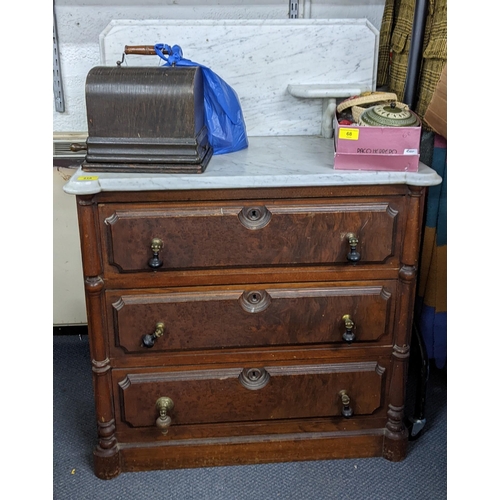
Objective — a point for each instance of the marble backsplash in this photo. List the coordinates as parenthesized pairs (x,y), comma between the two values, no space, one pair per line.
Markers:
(260,59)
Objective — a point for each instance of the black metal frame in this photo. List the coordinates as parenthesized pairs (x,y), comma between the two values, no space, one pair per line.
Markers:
(417,421)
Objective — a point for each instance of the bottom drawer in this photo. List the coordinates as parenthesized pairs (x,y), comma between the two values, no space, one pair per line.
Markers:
(230,394)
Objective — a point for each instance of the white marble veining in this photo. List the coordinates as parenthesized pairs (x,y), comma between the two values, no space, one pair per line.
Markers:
(285,161)
(260,59)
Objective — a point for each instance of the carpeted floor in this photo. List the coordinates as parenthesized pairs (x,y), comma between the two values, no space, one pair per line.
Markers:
(421,476)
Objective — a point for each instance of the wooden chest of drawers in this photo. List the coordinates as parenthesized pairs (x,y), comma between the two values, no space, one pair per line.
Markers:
(241,326)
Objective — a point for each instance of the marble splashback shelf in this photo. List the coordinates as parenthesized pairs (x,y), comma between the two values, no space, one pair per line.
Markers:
(287,73)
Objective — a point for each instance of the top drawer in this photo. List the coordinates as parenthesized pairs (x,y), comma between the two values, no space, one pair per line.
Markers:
(248,234)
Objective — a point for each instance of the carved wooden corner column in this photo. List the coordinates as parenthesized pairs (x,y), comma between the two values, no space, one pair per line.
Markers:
(106,455)
(396,433)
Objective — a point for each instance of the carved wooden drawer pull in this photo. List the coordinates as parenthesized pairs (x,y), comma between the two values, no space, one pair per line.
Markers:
(149,339)
(163,405)
(348,335)
(156,245)
(353,255)
(254,217)
(346,401)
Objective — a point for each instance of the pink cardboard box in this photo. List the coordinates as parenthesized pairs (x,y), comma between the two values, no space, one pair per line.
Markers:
(395,149)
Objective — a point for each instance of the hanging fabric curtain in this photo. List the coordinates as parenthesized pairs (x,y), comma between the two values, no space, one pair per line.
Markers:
(431,303)
(394,48)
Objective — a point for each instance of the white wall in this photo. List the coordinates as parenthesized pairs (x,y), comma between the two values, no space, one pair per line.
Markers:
(68,285)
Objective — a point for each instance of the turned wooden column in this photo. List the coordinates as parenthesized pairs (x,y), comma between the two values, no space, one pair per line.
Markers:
(396,434)
(106,456)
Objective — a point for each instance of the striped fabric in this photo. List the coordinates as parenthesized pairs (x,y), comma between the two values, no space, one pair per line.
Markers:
(394,48)
(395,40)
(431,310)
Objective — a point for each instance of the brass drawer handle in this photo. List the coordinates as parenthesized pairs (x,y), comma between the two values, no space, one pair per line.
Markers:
(156,245)
(149,339)
(163,405)
(348,335)
(254,217)
(346,402)
(353,255)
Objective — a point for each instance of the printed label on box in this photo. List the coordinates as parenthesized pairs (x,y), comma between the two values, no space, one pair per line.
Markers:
(351,134)
(410,152)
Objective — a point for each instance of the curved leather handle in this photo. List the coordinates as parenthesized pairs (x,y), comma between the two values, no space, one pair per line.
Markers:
(139,50)
(142,50)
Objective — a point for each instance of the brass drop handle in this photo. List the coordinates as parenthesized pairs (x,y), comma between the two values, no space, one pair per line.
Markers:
(149,339)
(156,245)
(348,335)
(163,405)
(346,401)
(353,255)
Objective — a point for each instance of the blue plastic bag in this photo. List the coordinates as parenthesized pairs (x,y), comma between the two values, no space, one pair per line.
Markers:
(223,114)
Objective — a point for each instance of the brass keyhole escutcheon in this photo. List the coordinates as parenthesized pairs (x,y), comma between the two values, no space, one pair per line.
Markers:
(254,214)
(254,378)
(255,301)
(255,298)
(254,217)
(164,405)
(254,374)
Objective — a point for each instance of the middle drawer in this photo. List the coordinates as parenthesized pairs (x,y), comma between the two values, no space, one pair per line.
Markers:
(160,320)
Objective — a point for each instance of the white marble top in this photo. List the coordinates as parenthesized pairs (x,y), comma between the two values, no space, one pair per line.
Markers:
(283,161)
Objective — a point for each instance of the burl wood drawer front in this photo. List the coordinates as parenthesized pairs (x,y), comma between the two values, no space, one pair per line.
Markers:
(249,234)
(262,316)
(249,394)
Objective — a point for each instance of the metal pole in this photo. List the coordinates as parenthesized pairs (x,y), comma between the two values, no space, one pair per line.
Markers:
(415,54)
(57,77)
